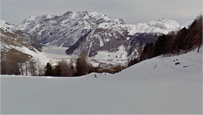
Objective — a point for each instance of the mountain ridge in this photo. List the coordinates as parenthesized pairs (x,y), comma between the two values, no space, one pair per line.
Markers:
(95,34)
(69,27)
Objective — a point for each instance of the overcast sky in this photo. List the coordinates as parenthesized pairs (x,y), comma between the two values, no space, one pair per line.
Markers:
(131,11)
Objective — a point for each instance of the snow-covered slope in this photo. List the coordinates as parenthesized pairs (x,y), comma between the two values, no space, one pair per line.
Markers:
(154,86)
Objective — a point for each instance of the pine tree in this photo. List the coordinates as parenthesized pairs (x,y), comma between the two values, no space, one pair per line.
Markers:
(48,70)
(57,71)
(159,47)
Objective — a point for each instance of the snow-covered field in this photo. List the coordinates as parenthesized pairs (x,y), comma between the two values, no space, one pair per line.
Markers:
(153,86)
(54,52)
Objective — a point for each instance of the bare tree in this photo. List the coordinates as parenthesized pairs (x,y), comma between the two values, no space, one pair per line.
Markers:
(82,65)
(40,68)
(32,67)
(65,68)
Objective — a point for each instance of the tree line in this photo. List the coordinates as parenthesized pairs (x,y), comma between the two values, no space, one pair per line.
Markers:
(17,63)
(82,67)
(183,41)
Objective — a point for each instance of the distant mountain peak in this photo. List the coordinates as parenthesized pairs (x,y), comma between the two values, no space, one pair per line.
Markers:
(165,19)
(67,13)
(164,23)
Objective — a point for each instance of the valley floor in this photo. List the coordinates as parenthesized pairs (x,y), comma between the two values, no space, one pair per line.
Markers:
(153,86)
(55,54)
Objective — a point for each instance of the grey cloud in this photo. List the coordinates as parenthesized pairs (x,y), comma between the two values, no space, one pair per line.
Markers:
(131,11)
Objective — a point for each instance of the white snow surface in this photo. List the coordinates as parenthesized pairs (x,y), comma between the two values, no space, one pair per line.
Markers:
(154,86)
(55,54)
(36,55)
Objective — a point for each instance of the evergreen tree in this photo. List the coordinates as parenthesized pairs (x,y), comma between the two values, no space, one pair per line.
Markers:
(57,71)
(48,70)
(159,47)
(147,52)
(143,55)
(150,51)
(180,41)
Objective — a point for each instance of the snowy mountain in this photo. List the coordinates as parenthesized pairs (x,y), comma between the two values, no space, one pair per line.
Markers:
(98,36)
(154,86)
(95,34)
(112,42)
(65,30)
(163,26)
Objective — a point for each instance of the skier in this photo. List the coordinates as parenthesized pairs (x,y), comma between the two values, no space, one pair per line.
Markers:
(95,75)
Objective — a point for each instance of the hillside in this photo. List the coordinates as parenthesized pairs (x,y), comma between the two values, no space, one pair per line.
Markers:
(182,41)
(154,86)
(18,52)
